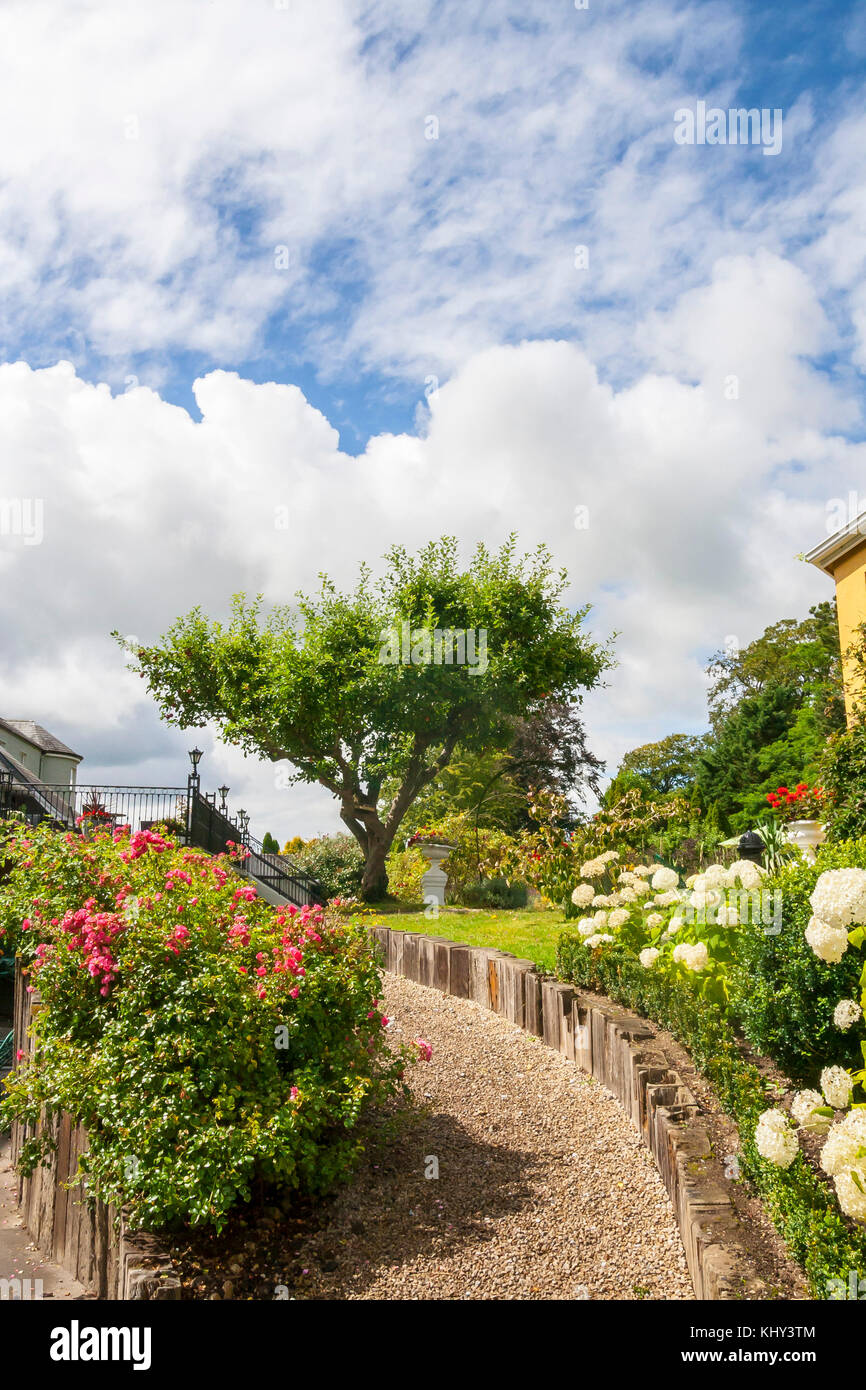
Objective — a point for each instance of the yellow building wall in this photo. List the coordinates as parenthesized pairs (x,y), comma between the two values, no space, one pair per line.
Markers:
(850,577)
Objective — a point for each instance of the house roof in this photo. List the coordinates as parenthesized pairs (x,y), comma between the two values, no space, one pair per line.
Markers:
(40,738)
(829,552)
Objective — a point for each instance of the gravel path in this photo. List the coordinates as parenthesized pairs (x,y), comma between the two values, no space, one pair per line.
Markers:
(544,1188)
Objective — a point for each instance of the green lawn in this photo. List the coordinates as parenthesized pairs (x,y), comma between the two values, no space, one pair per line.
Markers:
(532,934)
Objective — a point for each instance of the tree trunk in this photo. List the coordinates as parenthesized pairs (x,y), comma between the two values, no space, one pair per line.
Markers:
(374,882)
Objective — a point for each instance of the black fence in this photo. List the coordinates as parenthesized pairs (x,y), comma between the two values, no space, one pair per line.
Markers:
(191,817)
(211,829)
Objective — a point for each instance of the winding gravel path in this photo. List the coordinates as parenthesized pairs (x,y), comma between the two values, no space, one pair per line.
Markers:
(545,1190)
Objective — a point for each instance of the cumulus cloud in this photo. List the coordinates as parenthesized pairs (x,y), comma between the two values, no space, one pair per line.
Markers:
(690,536)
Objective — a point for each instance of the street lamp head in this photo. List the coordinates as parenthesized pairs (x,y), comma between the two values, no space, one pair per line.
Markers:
(195,757)
(224,791)
(751,846)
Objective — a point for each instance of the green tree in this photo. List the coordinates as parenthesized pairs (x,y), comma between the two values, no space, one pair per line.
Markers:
(546,750)
(331,688)
(772,707)
(657,769)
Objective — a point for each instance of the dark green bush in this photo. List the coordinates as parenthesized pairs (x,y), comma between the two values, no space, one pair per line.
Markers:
(801,1205)
(782,995)
(336,861)
(494,893)
(842,773)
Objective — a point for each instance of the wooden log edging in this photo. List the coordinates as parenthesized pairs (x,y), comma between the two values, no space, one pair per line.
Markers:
(74,1230)
(620,1051)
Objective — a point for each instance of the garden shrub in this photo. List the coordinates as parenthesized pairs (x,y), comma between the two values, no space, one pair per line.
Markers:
(781,994)
(404,868)
(335,861)
(208,1041)
(842,771)
(802,1206)
(494,893)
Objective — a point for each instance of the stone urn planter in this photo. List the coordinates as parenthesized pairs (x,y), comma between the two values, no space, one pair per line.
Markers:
(435,880)
(807,835)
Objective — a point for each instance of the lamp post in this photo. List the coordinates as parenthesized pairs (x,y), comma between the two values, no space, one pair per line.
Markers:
(192,786)
(751,846)
(243,822)
(224,791)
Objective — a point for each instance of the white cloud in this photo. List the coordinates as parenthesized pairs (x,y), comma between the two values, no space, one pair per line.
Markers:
(695,515)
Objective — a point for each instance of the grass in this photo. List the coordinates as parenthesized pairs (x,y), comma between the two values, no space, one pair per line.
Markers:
(531,933)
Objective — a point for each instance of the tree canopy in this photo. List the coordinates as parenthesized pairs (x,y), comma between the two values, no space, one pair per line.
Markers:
(352,690)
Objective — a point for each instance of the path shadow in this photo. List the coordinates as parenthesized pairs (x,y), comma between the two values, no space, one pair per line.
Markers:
(392,1212)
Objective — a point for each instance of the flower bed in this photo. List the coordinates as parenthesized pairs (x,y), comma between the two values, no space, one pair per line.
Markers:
(209,1043)
(708,960)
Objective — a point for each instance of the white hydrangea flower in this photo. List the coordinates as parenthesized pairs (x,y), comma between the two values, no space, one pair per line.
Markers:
(852,1199)
(728,916)
(837,1086)
(593,868)
(828,942)
(598,939)
(716,876)
(643,870)
(648,956)
(600,900)
(803,1108)
(775,1140)
(617,918)
(749,874)
(586,926)
(583,895)
(672,927)
(839,897)
(693,957)
(698,883)
(845,1145)
(608,856)
(641,888)
(846,1014)
(626,878)
(690,881)
(666,899)
(664,879)
(654,920)
(627,895)
(600,918)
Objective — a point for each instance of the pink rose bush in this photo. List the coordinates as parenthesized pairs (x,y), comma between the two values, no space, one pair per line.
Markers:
(190,1025)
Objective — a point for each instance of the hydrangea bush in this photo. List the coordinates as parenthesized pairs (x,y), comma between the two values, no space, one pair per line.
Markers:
(838,903)
(209,1042)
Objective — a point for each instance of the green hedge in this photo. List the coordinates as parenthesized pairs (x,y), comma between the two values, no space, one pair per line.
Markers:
(801,1206)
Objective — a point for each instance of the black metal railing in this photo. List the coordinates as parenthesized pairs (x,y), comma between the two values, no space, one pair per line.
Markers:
(212,830)
(193,818)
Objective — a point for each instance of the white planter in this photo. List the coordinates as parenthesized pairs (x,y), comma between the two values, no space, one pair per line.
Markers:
(435,881)
(807,835)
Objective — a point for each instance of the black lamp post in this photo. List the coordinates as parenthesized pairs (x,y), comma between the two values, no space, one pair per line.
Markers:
(224,791)
(243,822)
(751,846)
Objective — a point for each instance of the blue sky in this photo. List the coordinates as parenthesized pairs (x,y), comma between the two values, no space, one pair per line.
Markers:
(433,356)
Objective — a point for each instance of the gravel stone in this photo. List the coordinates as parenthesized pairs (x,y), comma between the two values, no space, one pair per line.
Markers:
(545,1189)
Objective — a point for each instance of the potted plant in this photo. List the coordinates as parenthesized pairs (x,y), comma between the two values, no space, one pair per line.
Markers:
(800,809)
(94,817)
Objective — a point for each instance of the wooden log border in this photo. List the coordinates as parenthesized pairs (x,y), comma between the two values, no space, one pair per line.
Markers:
(70,1227)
